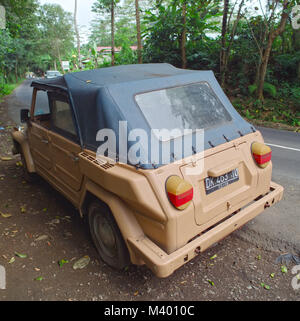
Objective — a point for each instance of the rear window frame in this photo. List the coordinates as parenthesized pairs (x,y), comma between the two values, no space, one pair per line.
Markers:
(178,86)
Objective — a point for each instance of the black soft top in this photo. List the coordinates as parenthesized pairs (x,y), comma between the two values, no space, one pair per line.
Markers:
(103,97)
(112,75)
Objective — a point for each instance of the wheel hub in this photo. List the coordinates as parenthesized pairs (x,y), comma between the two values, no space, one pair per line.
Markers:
(105,236)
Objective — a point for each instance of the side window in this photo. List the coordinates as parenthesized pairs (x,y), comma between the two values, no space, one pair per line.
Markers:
(61,116)
(41,104)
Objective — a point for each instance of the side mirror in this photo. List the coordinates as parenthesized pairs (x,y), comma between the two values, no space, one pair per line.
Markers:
(25,115)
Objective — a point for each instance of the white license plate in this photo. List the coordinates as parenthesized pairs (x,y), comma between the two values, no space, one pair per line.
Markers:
(213,184)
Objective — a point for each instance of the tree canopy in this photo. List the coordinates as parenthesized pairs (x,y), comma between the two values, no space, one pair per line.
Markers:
(253,47)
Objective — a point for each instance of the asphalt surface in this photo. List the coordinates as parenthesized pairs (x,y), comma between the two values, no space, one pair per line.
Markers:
(279,226)
(276,228)
(23,95)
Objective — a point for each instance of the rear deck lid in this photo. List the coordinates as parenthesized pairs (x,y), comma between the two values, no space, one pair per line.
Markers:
(228,180)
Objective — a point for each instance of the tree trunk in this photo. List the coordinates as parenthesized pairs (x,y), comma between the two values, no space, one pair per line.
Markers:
(61,64)
(183,37)
(77,36)
(60,60)
(296,47)
(263,70)
(266,54)
(112,33)
(223,42)
(138,31)
(96,62)
(227,51)
(257,75)
(16,70)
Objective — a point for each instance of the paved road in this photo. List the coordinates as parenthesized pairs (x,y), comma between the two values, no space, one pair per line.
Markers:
(278,227)
(23,96)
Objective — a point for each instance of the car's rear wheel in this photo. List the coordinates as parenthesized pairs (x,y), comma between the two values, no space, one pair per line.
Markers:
(107,236)
(29,177)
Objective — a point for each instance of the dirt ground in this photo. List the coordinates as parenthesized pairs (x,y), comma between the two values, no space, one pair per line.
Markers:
(39,228)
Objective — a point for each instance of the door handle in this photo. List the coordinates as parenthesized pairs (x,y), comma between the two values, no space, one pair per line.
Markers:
(45,141)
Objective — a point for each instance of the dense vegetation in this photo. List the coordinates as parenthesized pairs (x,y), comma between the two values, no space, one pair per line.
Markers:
(252,45)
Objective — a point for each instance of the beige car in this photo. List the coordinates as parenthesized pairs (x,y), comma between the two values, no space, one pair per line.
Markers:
(156,157)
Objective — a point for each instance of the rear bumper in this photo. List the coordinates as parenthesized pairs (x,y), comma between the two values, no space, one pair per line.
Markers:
(163,264)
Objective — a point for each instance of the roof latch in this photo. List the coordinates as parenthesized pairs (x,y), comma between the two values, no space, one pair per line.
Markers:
(227,140)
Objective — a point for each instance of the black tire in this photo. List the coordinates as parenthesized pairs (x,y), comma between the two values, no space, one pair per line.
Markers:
(29,177)
(107,237)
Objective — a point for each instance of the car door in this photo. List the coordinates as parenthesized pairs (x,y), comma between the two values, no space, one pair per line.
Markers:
(65,146)
(38,132)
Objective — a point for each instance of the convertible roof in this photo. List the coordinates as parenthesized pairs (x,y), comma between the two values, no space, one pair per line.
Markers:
(113,75)
(103,98)
(47,84)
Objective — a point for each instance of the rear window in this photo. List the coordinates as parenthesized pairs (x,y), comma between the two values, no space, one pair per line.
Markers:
(194,106)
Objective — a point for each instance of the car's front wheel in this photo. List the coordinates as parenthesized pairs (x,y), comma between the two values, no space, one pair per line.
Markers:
(107,236)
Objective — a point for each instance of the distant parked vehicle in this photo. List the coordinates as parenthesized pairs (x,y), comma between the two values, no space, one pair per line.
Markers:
(52,74)
(30,75)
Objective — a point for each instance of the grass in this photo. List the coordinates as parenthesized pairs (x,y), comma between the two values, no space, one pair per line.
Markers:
(281,111)
(7,89)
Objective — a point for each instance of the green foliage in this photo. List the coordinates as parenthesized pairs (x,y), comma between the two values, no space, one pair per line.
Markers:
(252,89)
(56,28)
(38,38)
(35,38)
(104,5)
(163,32)
(20,16)
(296,93)
(126,55)
(7,89)
(291,92)
(248,115)
(268,111)
(268,88)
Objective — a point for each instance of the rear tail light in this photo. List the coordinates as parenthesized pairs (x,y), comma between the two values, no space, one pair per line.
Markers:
(180,192)
(262,154)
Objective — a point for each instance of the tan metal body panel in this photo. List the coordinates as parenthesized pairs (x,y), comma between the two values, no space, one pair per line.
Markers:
(126,182)
(164,265)
(21,138)
(209,206)
(66,161)
(126,220)
(39,141)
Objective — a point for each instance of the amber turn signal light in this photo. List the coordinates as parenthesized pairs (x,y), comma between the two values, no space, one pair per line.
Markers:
(180,192)
(262,154)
